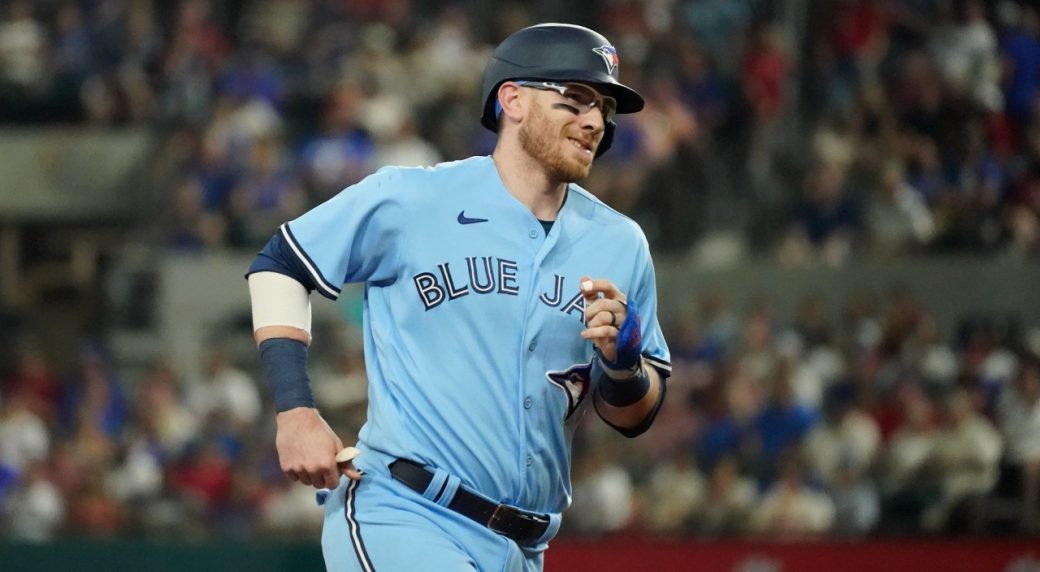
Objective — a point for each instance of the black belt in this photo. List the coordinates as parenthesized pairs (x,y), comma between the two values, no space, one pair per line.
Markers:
(522,526)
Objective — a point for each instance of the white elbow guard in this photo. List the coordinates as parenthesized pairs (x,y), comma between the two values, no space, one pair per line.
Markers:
(278,300)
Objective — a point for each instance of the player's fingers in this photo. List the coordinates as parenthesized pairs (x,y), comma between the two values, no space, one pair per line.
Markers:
(602,318)
(590,298)
(593,287)
(347,454)
(329,478)
(345,462)
(612,310)
(322,476)
(350,471)
(600,332)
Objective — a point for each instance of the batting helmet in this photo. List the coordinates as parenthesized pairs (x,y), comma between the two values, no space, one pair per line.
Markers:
(557,52)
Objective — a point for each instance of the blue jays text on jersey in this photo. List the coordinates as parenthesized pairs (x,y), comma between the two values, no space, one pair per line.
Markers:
(487,275)
(472,319)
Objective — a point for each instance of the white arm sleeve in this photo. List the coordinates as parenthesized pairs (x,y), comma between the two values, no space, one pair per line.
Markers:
(278,300)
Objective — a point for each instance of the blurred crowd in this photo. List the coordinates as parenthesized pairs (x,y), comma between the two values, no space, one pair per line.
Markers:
(865,424)
(161,455)
(812,131)
(870,423)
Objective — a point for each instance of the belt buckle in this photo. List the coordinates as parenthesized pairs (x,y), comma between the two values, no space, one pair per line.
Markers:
(495,517)
(520,531)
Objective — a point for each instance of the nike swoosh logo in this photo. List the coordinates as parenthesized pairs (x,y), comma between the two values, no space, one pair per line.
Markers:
(463,219)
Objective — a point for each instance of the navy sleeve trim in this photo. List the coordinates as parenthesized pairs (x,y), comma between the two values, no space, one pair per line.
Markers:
(326,288)
(278,257)
(663,366)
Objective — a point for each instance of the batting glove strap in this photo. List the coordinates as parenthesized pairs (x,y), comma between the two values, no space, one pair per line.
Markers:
(285,361)
(620,392)
(629,342)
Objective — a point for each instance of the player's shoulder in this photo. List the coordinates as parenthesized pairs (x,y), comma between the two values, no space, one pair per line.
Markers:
(589,207)
(408,189)
(431,176)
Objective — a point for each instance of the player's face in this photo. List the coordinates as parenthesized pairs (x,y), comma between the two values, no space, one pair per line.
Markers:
(562,133)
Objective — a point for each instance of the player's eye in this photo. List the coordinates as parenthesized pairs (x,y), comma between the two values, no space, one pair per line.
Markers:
(584,99)
(581,96)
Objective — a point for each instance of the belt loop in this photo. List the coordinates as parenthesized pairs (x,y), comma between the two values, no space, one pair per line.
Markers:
(555,519)
(440,476)
(451,486)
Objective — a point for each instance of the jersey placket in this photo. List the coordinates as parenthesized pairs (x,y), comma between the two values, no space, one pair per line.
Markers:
(529,398)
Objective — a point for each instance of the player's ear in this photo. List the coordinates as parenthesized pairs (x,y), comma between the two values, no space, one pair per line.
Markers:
(511,102)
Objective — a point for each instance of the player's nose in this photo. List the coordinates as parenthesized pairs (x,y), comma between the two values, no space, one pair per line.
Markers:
(592,120)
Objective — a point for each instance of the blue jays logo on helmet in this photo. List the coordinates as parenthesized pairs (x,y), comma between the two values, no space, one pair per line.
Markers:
(610,57)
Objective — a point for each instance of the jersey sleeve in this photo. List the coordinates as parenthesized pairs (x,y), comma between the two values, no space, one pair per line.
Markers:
(352,236)
(655,349)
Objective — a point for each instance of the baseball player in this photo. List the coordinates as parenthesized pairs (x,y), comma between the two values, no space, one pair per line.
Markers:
(501,300)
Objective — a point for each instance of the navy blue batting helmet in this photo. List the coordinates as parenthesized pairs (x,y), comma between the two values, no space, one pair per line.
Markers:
(560,53)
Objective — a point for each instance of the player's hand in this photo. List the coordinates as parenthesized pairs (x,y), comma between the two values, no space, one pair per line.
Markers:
(605,311)
(345,462)
(307,449)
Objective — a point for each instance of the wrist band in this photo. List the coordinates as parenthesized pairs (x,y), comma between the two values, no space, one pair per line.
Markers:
(620,392)
(285,361)
(647,421)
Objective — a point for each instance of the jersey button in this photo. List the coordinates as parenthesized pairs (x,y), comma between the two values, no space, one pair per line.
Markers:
(532,233)
(528,402)
(530,460)
(534,344)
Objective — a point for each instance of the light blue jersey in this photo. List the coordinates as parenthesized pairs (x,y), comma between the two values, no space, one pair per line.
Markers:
(472,320)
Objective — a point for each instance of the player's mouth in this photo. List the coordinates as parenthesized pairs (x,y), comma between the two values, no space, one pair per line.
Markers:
(581,145)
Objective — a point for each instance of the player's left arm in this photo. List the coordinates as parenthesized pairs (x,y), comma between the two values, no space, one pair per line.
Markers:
(629,387)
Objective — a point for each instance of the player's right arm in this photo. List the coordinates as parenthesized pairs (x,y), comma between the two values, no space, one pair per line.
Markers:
(352,237)
(280,300)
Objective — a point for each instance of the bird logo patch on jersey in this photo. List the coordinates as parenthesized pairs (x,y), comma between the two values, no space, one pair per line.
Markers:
(575,382)
(610,57)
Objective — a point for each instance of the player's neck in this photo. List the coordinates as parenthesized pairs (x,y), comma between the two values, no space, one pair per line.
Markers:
(528,182)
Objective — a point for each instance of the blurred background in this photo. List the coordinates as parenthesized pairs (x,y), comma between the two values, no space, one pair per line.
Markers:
(842,199)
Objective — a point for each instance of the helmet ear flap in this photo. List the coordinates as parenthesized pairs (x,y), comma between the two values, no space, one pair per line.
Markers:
(489,116)
(608,138)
